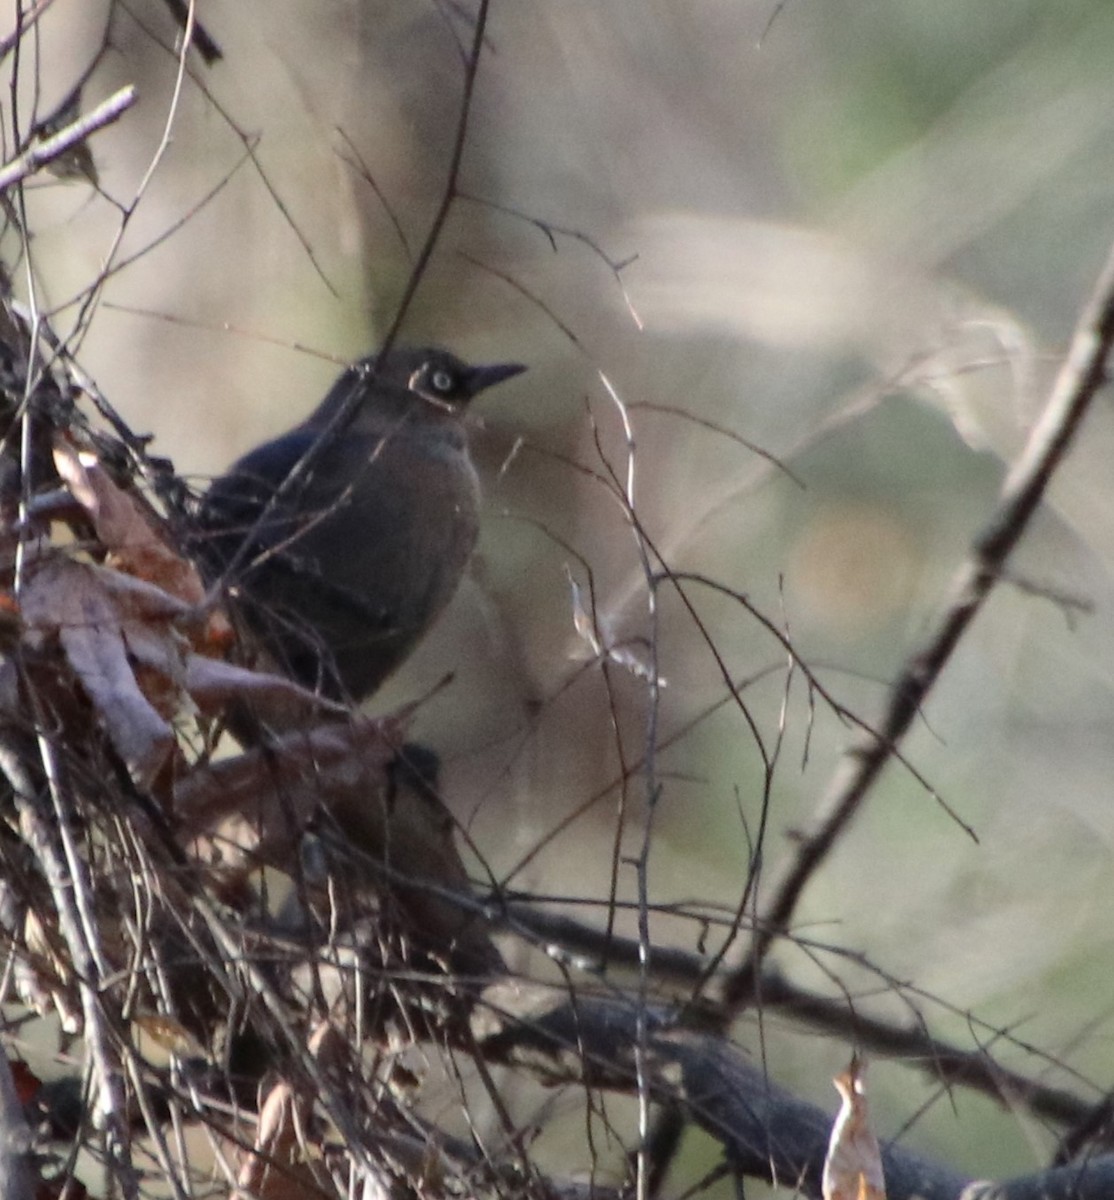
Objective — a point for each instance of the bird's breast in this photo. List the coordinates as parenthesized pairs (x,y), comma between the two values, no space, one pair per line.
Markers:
(402,527)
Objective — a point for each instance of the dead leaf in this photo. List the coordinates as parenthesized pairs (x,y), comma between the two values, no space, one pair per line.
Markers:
(214,683)
(285,1163)
(853,1168)
(41,975)
(158,1036)
(81,604)
(137,547)
(133,544)
(252,809)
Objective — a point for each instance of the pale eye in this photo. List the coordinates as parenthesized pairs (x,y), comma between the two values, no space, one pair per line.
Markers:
(442,381)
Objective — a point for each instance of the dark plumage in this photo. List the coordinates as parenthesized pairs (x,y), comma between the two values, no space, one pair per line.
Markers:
(349,566)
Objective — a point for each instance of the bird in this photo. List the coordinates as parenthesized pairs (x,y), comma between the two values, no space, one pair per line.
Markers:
(341,541)
(399,842)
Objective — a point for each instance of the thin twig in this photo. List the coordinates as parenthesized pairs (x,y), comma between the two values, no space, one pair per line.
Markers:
(449,195)
(96,289)
(200,38)
(526,293)
(1081,376)
(552,231)
(250,143)
(23,24)
(715,427)
(642,860)
(357,164)
(39,155)
(346,409)
(71,888)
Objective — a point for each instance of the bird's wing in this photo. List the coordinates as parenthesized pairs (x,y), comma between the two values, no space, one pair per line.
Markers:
(232,507)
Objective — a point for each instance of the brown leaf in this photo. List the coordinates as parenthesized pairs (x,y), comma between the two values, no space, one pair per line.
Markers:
(121,527)
(135,546)
(214,683)
(157,1030)
(82,604)
(26,1082)
(41,975)
(253,808)
(853,1168)
(285,1163)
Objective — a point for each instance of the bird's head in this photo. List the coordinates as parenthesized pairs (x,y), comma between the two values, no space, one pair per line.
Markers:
(440,377)
(443,383)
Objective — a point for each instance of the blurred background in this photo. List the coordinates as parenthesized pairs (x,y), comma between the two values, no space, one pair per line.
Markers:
(856,236)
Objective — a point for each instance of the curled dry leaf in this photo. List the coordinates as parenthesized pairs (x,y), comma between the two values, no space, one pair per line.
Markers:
(128,627)
(853,1168)
(42,976)
(100,618)
(285,1163)
(157,1037)
(133,545)
(622,656)
(136,631)
(136,547)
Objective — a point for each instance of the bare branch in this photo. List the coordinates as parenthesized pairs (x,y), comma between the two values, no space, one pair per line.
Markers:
(449,195)
(42,153)
(1081,376)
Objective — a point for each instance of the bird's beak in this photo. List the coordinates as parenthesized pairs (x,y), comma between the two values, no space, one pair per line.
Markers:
(485,377)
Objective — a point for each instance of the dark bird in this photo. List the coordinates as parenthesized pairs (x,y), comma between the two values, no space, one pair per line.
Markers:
(342,540)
